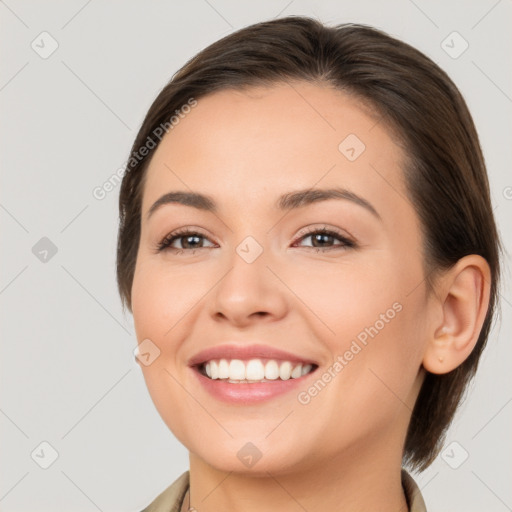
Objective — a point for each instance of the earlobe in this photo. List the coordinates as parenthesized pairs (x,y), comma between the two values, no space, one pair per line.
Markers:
(136,354)
(465,291)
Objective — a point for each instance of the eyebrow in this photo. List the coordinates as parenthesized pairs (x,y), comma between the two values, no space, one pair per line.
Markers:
(286,202)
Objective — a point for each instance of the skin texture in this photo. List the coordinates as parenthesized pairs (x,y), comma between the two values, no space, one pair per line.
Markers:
(342,450)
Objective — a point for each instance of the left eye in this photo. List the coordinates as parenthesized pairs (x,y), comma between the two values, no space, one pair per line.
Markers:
(325,237)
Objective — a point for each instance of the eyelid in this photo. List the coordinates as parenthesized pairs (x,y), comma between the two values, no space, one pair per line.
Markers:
(308,230)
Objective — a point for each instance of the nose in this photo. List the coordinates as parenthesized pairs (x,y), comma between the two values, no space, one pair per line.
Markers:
(249,292)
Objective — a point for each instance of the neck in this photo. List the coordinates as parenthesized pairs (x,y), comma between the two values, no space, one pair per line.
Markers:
(353,482)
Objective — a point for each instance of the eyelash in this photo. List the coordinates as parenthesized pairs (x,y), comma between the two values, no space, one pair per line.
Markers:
(165,243)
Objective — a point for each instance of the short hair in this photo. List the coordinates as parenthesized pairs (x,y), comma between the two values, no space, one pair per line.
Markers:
(444,171)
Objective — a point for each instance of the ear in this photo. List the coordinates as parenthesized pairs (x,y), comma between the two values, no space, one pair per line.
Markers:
(136,354)
(463,292)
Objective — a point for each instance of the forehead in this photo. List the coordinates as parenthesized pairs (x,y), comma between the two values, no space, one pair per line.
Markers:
(257,143)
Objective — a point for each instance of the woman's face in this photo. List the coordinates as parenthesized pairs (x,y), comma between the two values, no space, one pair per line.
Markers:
(257,274)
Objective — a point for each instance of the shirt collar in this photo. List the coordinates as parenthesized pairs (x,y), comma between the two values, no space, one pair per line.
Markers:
(413,494)
(171,499)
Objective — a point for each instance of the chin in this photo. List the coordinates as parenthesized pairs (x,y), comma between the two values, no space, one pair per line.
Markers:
(255,458)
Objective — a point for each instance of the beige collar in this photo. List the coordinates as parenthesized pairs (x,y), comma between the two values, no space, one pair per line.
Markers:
(171,499)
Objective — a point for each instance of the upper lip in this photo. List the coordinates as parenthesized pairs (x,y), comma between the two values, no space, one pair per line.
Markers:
(233,351)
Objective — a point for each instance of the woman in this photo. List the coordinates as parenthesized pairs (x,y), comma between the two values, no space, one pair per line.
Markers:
(308,249)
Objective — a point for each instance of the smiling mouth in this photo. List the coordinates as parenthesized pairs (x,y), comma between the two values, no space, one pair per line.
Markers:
(238,371)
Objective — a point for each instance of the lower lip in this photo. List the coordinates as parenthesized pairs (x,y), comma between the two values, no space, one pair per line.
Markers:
(248,393)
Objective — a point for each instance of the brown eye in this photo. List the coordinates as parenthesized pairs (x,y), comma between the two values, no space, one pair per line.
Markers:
(323,239)
(188,239)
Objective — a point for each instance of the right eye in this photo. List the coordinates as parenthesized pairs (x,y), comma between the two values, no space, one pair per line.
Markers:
(189,239)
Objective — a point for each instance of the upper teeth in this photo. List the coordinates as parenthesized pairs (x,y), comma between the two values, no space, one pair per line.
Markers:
(255,369)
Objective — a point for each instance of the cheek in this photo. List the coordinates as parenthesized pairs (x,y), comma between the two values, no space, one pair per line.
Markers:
(388,343)
(348,297)
(157,311)
(367,316)
(160,298)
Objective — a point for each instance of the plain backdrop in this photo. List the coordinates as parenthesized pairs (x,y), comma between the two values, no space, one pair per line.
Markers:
(76,79)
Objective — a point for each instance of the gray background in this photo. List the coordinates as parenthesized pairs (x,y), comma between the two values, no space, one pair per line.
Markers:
(67,371)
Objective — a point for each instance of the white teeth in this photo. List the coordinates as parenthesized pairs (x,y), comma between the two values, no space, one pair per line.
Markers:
(223,369)
(285,370)
(254,370)
(306,369)
(236,370)
(297,372)
(271,370)
(214,370)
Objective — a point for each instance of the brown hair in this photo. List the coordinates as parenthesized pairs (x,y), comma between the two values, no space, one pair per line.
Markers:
(445,172)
